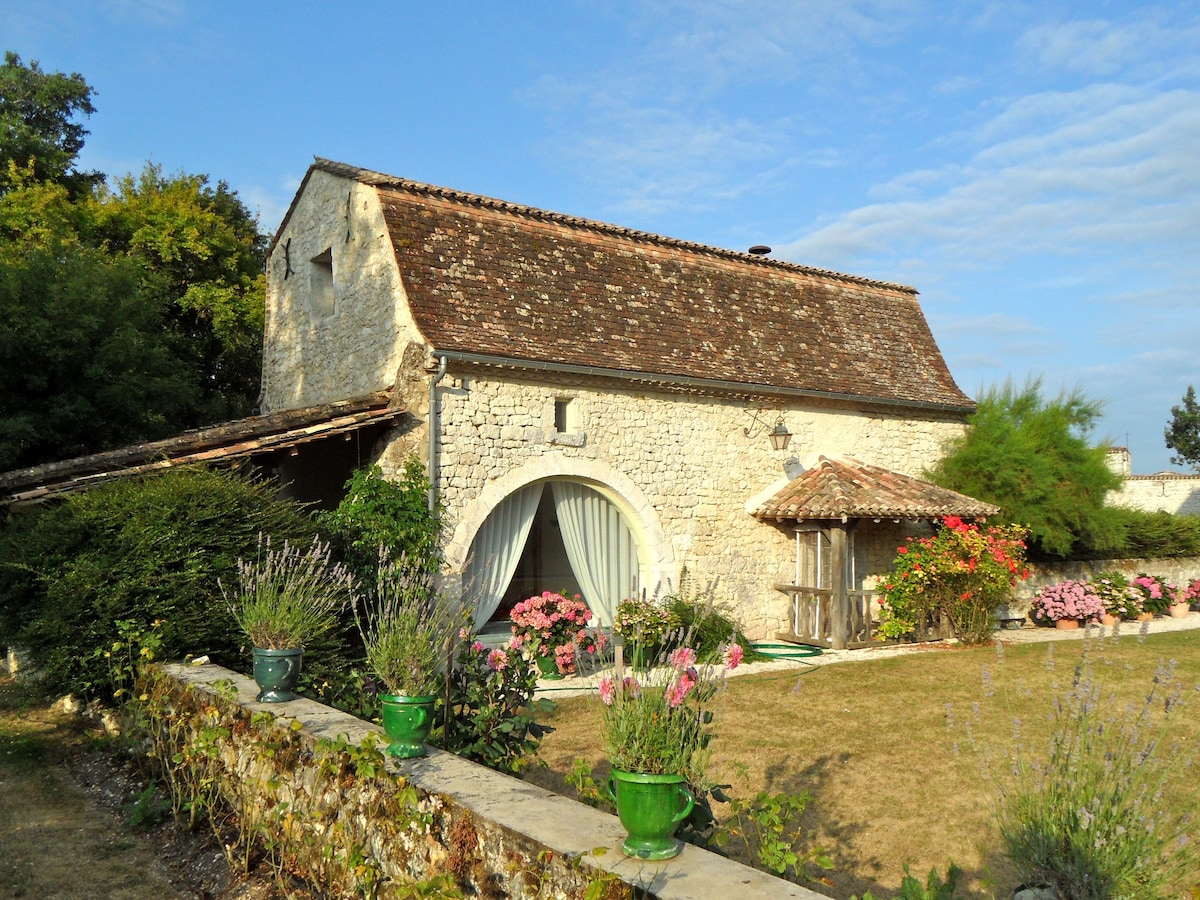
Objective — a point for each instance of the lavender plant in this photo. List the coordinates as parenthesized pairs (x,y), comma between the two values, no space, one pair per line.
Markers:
(1084,813)
(288,597)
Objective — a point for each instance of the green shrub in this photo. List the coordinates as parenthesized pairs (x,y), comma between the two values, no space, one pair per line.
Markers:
(380,514)
(704,623)
(138,550)
(1159,535)
(492,713)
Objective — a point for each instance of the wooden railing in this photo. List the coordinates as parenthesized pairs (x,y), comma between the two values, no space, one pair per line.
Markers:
(814,616)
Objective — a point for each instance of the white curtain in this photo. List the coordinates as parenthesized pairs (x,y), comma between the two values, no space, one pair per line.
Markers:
(600,547)
(497,549)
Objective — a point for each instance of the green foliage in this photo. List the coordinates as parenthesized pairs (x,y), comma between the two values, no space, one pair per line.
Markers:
(37,127)
(704,623)
(492,718)
(287,598)
(137,550)
(1183,431)
(1082,813)
(1030,457)
(770,827)
(1158,535)
(393,516)
(126,314)
(962,573)
(933,888)
(85,361)
(200,254)
(148,809)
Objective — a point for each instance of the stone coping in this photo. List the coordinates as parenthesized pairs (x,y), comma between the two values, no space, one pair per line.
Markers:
(555,822)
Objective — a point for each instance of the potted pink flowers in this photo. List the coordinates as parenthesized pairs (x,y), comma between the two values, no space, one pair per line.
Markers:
(551,627)
(656,735)
(1066,604)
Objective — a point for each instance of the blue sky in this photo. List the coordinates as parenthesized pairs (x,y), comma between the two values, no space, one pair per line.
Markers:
(1033,169)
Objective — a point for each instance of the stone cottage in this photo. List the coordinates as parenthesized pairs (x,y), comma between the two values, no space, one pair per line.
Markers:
(600,408)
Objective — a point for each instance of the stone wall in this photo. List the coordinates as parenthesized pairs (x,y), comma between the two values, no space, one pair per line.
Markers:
(315,352)
(349,825)
(681,468)
(1179,494)
(1178,571)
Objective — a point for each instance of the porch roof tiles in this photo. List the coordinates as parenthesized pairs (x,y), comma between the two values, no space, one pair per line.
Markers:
(834,489)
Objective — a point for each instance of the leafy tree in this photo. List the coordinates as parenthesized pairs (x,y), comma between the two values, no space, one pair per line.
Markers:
(37,131)
(1030,457)
(85,360)
(1183,431)
(201,256)
(127,313)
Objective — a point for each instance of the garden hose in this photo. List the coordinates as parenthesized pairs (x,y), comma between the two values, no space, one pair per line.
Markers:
(786,651)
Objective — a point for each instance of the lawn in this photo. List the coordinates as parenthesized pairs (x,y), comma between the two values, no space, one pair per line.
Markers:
(882,747)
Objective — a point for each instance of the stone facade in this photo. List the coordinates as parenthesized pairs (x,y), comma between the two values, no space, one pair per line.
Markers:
(315,354)
(681,468)
(682,452)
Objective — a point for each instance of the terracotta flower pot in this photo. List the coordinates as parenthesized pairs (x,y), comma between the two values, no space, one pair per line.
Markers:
(1179,610)
(1108,620)
(1066,624)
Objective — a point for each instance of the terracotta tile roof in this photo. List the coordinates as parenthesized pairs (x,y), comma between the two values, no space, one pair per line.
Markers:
(493,278)
(255,436)
(833,489)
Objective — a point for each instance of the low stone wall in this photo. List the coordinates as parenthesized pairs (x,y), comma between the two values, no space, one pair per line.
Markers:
(495,835)
(1179,571)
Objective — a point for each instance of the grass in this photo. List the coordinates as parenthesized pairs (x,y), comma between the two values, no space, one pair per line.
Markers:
(881,746)
(55,843)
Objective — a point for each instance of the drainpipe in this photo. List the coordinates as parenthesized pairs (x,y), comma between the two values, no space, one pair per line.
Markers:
(433,424)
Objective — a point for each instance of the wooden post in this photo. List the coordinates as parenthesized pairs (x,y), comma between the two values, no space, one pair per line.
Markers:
(839,601)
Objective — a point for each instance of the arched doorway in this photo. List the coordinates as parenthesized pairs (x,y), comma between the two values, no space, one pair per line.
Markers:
(556,534)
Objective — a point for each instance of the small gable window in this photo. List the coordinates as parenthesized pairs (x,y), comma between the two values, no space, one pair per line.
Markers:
(320,284)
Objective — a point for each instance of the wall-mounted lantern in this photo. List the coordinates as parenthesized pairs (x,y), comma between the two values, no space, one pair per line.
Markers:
(780,436)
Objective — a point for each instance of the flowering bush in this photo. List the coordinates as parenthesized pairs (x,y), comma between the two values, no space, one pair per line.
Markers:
(1157,594)
(1119,597)
(644,620)
(962,572)
(1192,592)
(660,726)
(491,717)
(550,624)
(1066,600)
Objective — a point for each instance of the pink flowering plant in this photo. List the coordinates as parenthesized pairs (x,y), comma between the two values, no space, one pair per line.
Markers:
(660,723)
(1066,600)
(962,572)
(555,625)
(1191,594)
(1157,593)
(492,716)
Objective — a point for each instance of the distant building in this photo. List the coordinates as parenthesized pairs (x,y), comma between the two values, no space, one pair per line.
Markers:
(1171,492)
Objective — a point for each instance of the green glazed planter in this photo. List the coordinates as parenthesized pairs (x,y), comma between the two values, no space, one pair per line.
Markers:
(651,808)
(407,722)
(548,667)
(276,672)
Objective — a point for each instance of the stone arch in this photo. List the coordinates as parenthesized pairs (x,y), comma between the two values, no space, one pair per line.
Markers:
(617,487)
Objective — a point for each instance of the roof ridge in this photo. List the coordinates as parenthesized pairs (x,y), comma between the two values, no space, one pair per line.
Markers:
(380,179)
